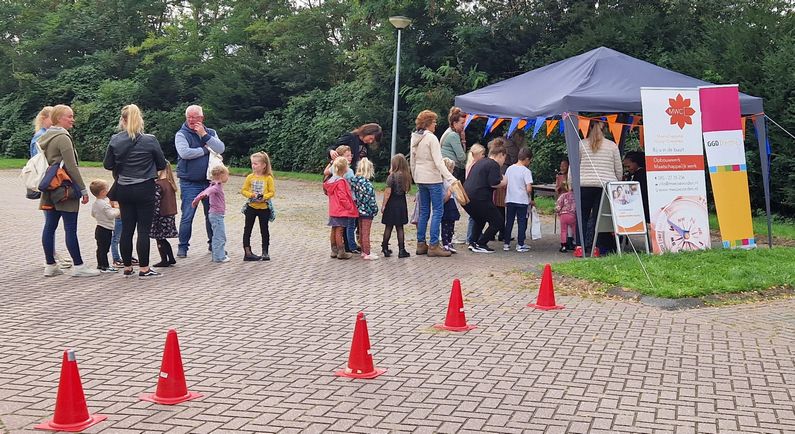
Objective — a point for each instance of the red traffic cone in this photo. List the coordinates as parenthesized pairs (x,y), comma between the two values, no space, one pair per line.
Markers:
(456,320)
(71,412)
(360,360)
(171,386)
(546,294)
(578,252)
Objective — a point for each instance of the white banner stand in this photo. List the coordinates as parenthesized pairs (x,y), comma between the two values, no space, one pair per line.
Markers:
(621,213)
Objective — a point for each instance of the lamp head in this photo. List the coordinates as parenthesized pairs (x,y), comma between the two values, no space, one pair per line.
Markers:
(400,22)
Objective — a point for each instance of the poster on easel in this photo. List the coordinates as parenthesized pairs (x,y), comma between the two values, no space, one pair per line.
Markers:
(728,173)
(621,212)
(675,169)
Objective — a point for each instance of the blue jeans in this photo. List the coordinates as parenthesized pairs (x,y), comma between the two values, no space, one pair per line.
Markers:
(519,212)
(114,241)
(51,220)
(471,238)
(350,234)
(189,191)
(219,236)
(431,196)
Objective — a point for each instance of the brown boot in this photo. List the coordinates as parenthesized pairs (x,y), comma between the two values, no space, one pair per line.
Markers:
(344,255)
(333,250)
(436,250)
(422,248)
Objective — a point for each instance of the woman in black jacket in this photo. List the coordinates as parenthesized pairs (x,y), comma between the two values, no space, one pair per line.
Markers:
(135,158)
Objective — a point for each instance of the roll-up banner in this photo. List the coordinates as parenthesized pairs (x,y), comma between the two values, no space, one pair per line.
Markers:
(675,169)
(723,140)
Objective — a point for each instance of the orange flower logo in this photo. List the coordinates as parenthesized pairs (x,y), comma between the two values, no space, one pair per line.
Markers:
(680,111)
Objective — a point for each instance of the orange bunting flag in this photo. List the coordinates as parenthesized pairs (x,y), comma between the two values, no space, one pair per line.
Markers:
(551,126)
(615,129)
(742,122)
(522,123)
(496,124)
(635,120)
(584,123)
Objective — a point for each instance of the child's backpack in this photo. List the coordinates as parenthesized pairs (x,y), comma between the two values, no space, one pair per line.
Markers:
(33,172)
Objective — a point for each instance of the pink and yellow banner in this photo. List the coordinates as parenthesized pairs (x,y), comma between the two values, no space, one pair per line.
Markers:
(675,169)
(723,140)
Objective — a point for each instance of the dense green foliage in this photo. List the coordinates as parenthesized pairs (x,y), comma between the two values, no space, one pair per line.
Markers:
(289,77)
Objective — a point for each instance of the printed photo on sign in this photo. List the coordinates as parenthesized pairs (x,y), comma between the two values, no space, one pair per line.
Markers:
(627,207)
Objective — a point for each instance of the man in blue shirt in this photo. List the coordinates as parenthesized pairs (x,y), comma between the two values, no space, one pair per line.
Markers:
(194,142)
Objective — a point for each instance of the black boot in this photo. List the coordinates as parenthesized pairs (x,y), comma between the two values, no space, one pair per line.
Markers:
(169,252)
(249,255)
(402,253)
(164,262)
(563,248)
(385,250)
(265,255)
(569,243)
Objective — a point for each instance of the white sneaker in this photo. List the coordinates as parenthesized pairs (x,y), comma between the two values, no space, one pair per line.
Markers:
(370,257)
(523,248)
(83,271)
(506,247)
(226,259)
(51,270)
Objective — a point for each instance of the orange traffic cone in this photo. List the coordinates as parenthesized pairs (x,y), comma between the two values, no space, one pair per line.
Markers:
(546,294)
(456,320)
(360,360)
(171,386)
(71,412)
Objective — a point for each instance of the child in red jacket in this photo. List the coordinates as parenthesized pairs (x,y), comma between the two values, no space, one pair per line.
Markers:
(341,207)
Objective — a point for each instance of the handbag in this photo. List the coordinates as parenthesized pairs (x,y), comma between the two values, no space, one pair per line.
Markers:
(535,224)
(415,215)
(459,192)
(215,160)
(116,169)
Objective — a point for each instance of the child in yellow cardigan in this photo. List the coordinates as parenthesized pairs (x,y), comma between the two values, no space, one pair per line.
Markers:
(258,188)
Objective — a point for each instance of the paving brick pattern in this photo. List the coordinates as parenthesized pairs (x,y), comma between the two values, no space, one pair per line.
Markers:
(261,341)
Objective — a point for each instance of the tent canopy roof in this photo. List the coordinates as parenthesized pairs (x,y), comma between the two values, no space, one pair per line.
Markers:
(601,80)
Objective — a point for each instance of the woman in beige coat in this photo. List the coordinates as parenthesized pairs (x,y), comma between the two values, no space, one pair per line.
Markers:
(57,146)
(429,173)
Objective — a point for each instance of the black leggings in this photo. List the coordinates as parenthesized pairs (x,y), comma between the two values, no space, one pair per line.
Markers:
(251,215)
(137,203)
(103,237)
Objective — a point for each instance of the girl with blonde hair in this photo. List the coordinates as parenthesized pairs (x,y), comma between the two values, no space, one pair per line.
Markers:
(258,188)
(40,125)
(341,207)
(364,196)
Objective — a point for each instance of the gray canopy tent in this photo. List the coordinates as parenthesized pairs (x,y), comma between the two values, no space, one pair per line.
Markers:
(602,81)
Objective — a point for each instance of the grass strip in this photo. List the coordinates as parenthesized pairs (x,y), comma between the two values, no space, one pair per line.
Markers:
(691,274)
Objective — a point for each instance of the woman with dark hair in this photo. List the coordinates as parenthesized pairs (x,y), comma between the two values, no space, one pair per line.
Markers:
(429,173)
(135,158)
(452,146)
(634,162)
(56,144)
(358,140)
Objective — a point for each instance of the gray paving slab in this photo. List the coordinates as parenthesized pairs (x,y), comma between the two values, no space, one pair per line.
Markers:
(261,341)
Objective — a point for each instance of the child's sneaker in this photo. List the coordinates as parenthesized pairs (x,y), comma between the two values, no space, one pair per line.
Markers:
(134,261)
(128,273)
(226,259)
(118,264)
(370,257)
(108,270)
(506,247)
(523,248)
(450,248)
(63,262)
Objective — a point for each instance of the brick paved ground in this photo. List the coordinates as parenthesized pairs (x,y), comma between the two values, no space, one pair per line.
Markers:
(261,341)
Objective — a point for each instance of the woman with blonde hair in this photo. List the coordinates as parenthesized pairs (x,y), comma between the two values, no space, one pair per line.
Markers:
(429,172)
(40,125)
(57,146)
(135,158)
(600,163)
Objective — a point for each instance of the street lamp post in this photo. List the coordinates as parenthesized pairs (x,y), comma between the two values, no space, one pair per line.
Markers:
(400,23)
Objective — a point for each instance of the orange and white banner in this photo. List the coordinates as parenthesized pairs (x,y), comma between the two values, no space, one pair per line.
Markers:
(675,169)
